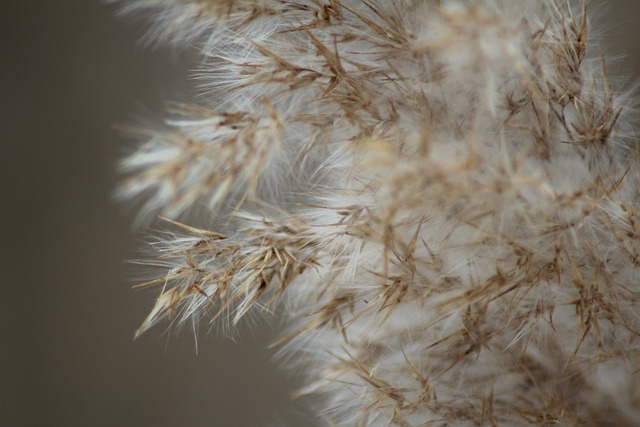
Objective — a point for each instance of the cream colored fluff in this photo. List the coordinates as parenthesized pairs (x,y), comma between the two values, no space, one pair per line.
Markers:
(441,197)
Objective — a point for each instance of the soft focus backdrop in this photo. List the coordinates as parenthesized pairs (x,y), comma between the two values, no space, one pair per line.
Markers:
(70,72)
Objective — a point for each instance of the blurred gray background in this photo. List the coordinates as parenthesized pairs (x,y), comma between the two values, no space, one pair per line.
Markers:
(70,70)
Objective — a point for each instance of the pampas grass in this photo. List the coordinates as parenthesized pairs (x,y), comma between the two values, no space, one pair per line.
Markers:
(442,198)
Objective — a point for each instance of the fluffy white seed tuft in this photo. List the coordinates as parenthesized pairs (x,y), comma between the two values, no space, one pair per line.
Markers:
(441,196)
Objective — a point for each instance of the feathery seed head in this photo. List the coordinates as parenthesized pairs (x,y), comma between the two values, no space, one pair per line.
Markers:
(442,196)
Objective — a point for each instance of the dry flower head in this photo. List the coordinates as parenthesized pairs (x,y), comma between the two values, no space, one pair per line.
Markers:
(441,196)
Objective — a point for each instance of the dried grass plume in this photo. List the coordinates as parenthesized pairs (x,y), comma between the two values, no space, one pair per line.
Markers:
(442,197)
